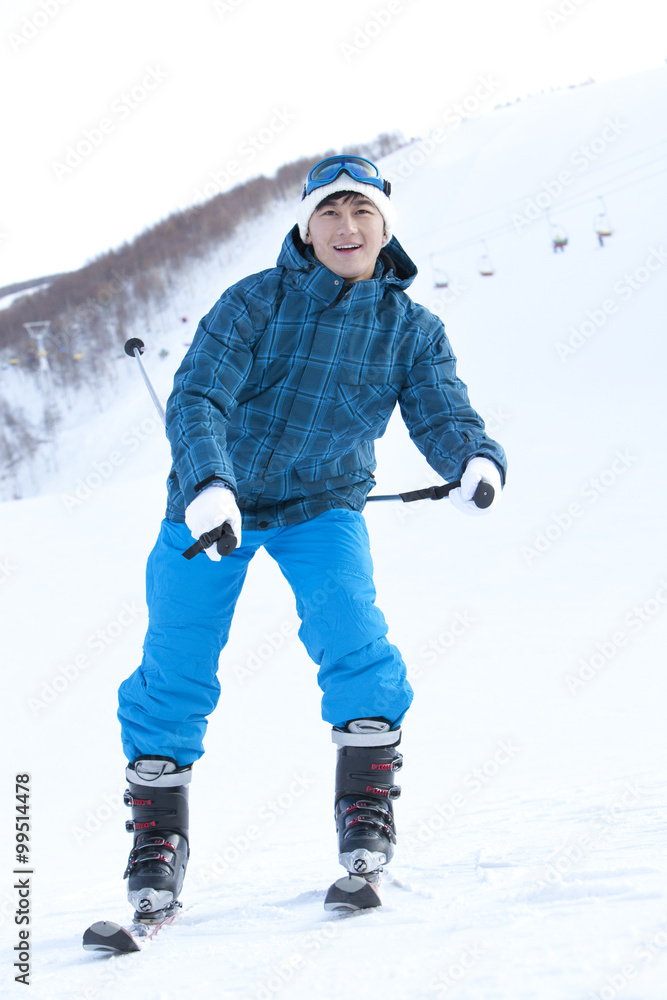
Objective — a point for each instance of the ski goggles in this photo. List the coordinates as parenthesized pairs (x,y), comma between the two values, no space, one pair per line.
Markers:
(357,167)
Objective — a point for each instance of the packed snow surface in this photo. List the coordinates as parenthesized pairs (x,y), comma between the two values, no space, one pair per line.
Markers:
(531,857)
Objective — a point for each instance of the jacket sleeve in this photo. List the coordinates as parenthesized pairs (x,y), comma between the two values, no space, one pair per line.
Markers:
(206,392)
(436,409)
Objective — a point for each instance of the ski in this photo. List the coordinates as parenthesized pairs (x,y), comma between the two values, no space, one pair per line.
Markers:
(115,939)
(351,893)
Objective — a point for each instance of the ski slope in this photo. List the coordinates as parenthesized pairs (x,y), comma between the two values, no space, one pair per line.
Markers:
(531,859)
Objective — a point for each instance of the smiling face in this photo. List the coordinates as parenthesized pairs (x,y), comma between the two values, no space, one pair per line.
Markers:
(347,234)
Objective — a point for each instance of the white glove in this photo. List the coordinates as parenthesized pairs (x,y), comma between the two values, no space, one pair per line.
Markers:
(211,508)
(477,469)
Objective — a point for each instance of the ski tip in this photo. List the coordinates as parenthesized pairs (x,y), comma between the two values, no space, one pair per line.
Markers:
(108,936)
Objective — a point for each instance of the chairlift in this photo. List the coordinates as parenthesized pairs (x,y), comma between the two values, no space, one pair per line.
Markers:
(485,264)
(602,225)
(559,238)
(603,228)
(440,275)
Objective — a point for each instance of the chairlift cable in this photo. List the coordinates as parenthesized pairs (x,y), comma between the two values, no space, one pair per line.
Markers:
(593,170)
(567,205)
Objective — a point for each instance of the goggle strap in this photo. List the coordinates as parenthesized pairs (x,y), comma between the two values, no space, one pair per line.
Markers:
(355,166)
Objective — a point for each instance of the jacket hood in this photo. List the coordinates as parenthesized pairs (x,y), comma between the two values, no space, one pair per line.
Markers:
(398,268)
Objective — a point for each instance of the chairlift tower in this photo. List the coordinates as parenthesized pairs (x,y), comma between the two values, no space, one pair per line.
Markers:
(39,331)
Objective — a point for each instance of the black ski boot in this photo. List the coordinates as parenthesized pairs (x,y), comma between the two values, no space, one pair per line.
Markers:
(365,790)
(158,795)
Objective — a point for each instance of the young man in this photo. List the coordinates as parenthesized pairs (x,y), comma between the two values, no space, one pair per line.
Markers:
(290,379)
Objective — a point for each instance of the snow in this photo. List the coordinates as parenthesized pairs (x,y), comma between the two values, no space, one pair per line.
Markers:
(531,858)
(7,300)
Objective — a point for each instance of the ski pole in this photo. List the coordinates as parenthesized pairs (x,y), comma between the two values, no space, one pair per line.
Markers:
(483,495)
(224,535)
(134,348)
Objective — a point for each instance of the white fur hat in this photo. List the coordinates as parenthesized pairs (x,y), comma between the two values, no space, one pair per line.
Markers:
(346,183)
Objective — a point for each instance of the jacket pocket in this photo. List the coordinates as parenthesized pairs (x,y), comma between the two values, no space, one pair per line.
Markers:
(361,407)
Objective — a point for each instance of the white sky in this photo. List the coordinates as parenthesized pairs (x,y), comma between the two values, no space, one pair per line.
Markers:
(325,74)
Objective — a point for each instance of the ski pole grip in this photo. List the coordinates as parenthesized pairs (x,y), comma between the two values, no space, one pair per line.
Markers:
(227,541)
(484,495)
(224,537)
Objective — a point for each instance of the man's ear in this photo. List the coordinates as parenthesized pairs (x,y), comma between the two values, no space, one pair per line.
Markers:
(308,238)
(385,238)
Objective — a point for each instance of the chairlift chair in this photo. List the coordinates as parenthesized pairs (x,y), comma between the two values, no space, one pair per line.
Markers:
(440,276)
(485,265)
(559,238)
(603,228)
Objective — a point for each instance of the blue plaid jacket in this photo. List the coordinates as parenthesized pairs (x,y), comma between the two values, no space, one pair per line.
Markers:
(294,374)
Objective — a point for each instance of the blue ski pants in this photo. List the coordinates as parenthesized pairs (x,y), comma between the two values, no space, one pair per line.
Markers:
(164,704)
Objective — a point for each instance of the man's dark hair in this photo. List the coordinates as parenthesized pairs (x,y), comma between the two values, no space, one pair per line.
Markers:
(344,196)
